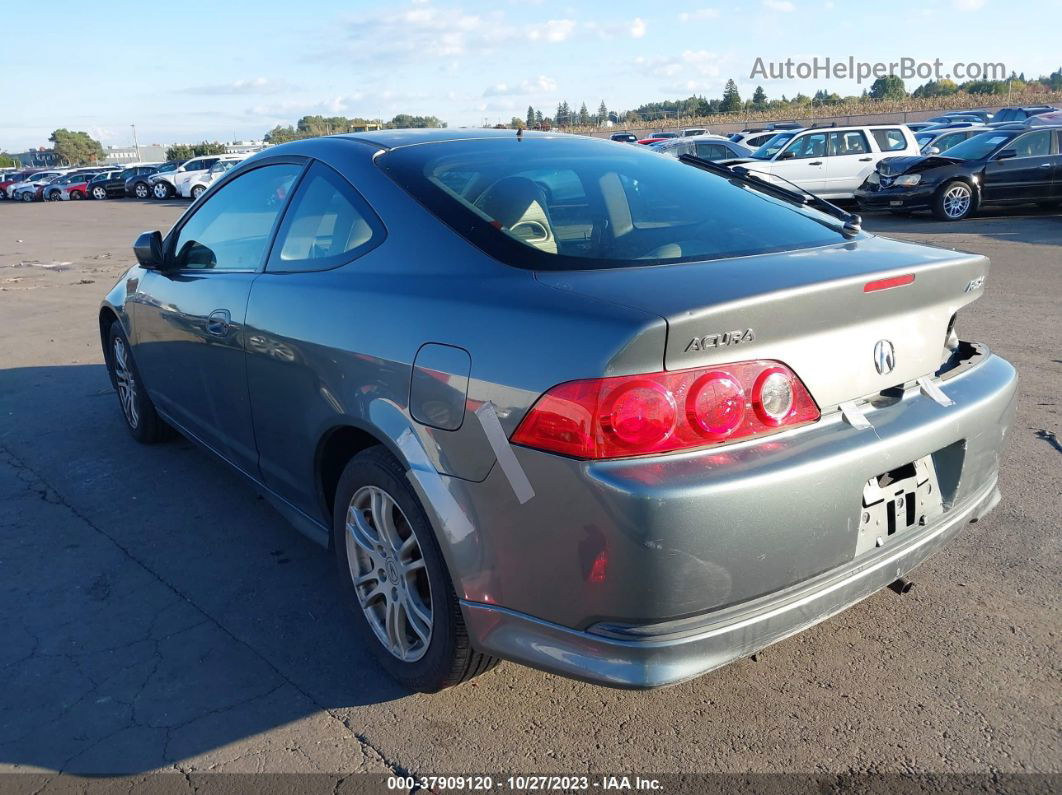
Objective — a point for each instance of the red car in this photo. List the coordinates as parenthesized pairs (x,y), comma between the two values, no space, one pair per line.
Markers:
(11,180)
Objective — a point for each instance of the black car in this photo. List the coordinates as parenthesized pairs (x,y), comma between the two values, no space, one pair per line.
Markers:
(996,167)
(1020,114)
(136,184)
(977,116)
(624,138)
(107,184)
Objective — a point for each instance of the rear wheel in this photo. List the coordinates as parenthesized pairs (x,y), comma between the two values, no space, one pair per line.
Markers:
(954,201)
(162,190)
(27,196)
(394,578)
(141,419)
(99,192)
(77,195)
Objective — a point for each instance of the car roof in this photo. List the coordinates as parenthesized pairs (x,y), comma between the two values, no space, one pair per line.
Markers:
(392,139)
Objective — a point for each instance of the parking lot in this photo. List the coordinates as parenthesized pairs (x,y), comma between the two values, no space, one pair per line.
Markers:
(159,615)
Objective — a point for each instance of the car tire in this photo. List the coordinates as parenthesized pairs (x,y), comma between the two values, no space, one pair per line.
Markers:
(395,579)
(162,190)
(76,195)
(141,190)
(27,196)
(141,419)
(54,196)
(99,193)
(197,191)
(954,201)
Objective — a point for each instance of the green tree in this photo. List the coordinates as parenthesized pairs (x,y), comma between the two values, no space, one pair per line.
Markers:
(888,87)
(7,161)
(539,120)
(759,98)
(530,118)
(602,112)
(731,98)
(76,148)
(584,115)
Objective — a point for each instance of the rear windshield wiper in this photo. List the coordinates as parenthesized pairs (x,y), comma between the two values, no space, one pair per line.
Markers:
(851,222)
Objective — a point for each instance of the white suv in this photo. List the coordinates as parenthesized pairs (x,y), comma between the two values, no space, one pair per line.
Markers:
(166,184)
(830,161)
(193,187)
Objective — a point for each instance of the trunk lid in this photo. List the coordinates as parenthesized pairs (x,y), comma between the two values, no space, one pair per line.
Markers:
(808,309)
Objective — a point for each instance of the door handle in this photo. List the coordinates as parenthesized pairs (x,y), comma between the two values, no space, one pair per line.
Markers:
(218,322)
(865,159)
(816,163)
(1045,165)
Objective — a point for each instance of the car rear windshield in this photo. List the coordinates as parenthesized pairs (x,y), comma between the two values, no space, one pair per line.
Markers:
(581,203)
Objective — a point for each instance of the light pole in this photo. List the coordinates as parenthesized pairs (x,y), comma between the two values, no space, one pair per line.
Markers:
(136,145)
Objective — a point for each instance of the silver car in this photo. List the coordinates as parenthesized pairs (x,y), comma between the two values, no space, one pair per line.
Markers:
(617,416)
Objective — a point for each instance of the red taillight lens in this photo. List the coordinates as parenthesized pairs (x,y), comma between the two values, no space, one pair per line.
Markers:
(663,412)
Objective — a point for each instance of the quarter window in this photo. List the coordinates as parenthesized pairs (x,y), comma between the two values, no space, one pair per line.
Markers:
(889,140)
(231,230)
(327,225)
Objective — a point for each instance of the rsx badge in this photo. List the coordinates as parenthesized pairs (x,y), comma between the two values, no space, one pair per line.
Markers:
(721,340)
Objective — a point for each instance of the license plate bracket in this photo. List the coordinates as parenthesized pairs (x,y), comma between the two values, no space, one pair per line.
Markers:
(896,502)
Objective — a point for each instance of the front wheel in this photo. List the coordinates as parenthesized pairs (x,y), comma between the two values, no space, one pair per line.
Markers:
(54,196)
(27,196)
(141,419)
(99,193)
(162,190)
(77,195)
(394,578)
(141,191)
(197,191)
(954,201)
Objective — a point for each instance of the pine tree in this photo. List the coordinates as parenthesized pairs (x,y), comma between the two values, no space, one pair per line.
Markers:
(759,97)
(731,98)
(538,118)
(530,117)
(602,112)
(584,114)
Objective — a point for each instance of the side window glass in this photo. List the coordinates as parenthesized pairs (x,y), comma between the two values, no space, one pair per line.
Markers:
(813,145)
(231,230)
(890,140)
(851,142)
(1035,144)
(327,225)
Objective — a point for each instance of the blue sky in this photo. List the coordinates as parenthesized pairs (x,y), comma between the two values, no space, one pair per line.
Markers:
(214,70)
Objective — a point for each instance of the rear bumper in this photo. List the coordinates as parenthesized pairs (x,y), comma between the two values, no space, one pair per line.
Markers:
(671,652)
(643,572)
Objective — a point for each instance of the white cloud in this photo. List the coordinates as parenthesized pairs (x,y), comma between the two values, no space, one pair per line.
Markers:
(257,85)
(967,5)
(637,28)
(537,85)
(553,31)
(783,6)
(699,15)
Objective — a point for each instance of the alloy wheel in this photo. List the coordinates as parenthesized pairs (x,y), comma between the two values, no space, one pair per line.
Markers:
(389,573)
(957,201)
(99,193)
(160,191)
(141,190)
(126,381)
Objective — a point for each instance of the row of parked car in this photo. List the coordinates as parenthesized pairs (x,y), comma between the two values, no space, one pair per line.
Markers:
(187,179)
(950,165)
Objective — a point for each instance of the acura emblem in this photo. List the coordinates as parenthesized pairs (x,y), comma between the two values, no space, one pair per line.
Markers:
(884,357)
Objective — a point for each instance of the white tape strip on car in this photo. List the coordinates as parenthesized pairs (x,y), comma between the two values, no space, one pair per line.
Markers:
(499,442)
(850,411)
(934,392)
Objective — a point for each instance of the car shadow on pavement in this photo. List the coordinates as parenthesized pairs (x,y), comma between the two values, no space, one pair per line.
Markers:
(155,607)
(1012,224)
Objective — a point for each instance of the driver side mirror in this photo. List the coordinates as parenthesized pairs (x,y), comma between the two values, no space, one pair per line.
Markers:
(787,155)
(1007,153)
(933,150)
(148,250)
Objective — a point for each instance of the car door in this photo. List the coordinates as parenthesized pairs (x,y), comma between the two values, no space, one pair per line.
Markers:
(327,226)
(188,319)
(803,161)
(1022,170)
(849,162)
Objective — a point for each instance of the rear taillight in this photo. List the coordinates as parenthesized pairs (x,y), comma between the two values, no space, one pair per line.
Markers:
(635,415)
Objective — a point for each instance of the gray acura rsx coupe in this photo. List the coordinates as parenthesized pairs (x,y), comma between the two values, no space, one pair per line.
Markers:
(562,401)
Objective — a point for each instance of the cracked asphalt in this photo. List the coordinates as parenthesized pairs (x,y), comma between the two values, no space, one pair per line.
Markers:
(159,616)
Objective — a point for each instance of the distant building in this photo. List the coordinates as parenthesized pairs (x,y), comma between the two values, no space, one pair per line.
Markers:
(124,155)
(37,158)
(244,147)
